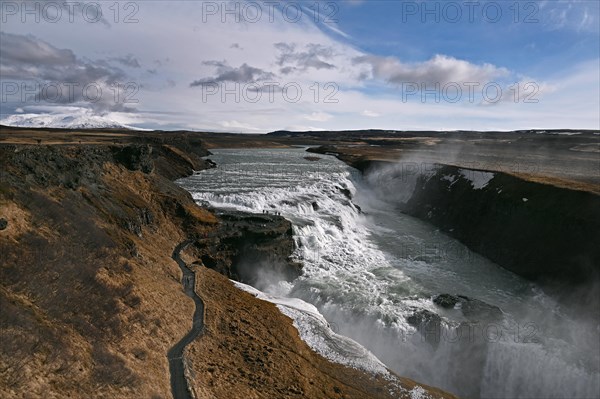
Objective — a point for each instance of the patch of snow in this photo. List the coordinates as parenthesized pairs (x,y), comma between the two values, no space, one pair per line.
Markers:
(450,178)
(64,121)
(316,332)
(477,178)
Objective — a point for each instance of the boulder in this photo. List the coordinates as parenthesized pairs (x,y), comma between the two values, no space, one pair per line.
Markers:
(446,301)
(472,309)
(428,324)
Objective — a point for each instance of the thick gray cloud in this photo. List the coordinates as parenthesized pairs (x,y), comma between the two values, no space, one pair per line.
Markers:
(312,56)
(225,73)
(27,50)
(440,69)
(32,60)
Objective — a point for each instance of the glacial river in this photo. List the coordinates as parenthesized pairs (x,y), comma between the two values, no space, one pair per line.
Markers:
(373,273)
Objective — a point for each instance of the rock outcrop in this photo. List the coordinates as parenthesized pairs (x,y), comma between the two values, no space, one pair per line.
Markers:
(247,247)
(473,309)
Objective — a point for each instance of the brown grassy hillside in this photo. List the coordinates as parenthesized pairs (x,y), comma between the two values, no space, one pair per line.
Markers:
(90,298)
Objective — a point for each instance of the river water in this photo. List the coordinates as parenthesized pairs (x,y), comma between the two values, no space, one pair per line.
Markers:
(369,269)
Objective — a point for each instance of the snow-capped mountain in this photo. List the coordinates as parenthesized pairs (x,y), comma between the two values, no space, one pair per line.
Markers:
(64,121)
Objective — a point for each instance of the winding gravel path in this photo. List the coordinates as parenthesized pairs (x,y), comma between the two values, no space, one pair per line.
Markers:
(179,386)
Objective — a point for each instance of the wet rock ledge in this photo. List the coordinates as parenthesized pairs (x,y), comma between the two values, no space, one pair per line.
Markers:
(248,247)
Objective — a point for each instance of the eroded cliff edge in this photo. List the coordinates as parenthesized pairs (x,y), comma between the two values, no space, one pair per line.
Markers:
(91,299)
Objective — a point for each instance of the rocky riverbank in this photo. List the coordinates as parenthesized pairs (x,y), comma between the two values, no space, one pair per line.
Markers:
(92,300)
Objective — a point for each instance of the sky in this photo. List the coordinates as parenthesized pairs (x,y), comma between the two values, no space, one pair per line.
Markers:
(255,67)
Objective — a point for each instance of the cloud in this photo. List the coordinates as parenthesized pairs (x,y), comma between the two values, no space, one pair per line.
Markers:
(312,56)
(237,125)
(160,63)
(25,58)
(225,73)
(370,114)
(306,53)
(129,60)
(579,16)
(318,117)
(333,27)
(439,69)
(27,50)
(526,91)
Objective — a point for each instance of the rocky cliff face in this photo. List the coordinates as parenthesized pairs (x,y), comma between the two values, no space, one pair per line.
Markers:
(246,247)
(539,231)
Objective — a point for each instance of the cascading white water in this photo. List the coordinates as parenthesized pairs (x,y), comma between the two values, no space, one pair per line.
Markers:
(368,273)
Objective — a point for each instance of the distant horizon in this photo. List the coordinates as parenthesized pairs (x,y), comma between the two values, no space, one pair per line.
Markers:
(538,130)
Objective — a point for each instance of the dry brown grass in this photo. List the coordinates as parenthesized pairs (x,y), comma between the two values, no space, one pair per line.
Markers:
(19,220)
(201,214)
(559,182)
